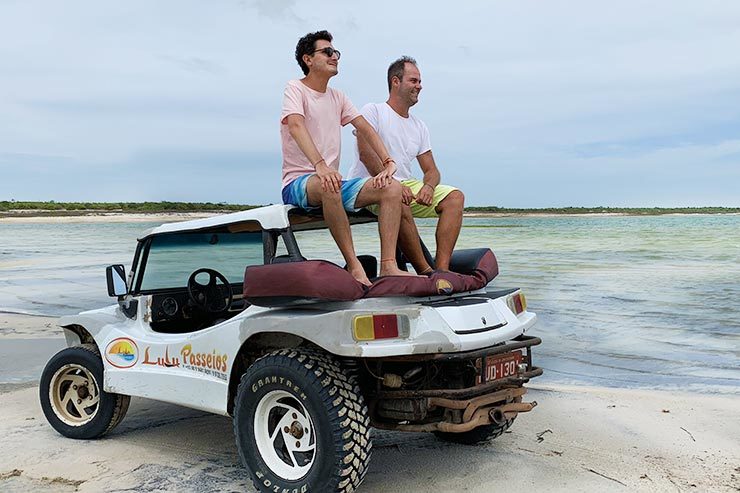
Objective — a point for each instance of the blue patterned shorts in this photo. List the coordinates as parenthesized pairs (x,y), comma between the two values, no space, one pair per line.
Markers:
(296,193)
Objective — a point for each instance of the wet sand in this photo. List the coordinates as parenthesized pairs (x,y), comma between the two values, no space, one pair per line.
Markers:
(32,217)
(576,439)
(37,217)
(20,326)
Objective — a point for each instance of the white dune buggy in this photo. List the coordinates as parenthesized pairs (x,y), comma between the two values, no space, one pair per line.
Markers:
(303,379)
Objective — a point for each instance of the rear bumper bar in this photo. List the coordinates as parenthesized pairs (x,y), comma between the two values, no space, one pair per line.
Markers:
(494,402)
(521,342)
(491,409)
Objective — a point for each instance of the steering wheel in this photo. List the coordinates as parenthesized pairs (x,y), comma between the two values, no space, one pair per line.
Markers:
(211,297)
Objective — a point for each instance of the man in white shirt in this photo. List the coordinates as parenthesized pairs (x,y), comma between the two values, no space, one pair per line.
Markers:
(407,138)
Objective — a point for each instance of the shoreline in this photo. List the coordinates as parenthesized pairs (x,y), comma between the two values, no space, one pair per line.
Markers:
(37,217)
(35,334)
(14,325)
(40,217)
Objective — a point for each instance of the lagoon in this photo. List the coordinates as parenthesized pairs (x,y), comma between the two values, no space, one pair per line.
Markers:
(623,301)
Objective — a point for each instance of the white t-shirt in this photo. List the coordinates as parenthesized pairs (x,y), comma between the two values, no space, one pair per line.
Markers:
(405,139)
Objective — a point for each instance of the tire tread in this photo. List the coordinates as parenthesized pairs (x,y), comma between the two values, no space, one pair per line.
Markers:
(120,402)
(348,414)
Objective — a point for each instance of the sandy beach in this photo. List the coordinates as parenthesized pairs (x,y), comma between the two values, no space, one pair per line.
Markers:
(40,217)
(576,439)
(36,217)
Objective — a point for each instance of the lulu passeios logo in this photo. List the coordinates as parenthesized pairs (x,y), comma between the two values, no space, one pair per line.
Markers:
(122,352)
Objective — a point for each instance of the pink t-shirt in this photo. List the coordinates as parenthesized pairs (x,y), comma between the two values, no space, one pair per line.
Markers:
(325,113)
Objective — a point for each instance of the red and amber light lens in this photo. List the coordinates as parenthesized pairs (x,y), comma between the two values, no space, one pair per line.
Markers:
(517,303)
(372,327)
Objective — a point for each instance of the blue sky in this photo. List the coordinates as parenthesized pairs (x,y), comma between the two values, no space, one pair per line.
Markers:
(530,104)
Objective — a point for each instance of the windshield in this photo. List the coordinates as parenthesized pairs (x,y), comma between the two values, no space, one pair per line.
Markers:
(172,258)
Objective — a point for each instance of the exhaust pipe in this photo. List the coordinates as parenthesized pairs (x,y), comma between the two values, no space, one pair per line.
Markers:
(497,416)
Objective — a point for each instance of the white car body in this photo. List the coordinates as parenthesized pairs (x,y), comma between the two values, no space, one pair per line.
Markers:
(196,369)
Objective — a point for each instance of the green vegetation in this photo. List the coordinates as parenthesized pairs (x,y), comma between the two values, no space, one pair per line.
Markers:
(640,211)
(76,208)
(129,207)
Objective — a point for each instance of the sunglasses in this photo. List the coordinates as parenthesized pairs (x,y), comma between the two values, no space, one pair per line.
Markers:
(329,51)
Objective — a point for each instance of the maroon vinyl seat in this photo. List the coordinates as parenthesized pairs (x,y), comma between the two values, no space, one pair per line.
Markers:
(311,281)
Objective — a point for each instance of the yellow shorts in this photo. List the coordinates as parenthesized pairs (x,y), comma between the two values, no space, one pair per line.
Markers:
(418,210)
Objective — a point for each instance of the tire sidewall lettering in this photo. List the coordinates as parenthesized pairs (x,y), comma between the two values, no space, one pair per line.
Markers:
(281,382)
(307,390)
(279,488)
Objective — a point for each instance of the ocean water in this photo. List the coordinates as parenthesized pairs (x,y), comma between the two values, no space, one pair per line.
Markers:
(623,301)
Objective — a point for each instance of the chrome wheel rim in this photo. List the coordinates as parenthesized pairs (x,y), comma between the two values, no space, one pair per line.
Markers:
(74,395)
(284,433)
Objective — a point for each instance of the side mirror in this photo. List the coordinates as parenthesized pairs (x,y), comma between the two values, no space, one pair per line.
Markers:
(116,277)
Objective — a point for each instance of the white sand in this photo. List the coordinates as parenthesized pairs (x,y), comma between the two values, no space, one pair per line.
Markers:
(17,326)
(576,439)
(105,217)
(36,217)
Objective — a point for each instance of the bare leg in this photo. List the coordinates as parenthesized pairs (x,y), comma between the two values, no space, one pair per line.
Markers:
(336,218)
(389,220)
(448,228)
(408,240)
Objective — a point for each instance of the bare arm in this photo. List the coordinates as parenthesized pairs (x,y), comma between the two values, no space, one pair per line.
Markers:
(368,156)
(431,178)
(366,133)
(330,179)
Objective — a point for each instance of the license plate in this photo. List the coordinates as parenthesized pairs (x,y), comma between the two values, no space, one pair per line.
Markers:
(499,366)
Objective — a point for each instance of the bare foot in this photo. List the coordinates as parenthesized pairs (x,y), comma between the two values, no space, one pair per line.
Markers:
(390,268)
(359,274)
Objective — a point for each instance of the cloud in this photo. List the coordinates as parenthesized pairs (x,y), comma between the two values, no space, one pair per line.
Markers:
(528,103)
(147,106)
(177,174)
(277,10)
(194,64)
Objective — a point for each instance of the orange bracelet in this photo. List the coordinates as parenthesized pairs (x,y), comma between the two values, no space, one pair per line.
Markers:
(388,160)
(317,162)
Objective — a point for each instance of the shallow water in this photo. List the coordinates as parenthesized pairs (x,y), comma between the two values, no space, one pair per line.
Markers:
(622,301)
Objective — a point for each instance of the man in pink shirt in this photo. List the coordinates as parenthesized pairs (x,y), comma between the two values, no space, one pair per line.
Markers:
(310,130)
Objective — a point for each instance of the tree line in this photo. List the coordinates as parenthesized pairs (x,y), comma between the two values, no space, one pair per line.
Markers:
(157,207)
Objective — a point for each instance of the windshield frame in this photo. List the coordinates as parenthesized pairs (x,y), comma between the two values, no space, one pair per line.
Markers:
(144,248)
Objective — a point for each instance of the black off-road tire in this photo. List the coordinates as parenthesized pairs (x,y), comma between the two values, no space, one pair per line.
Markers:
(476,436)
(308,380)
(71,365)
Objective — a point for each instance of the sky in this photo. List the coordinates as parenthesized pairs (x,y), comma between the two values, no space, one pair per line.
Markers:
(529,103)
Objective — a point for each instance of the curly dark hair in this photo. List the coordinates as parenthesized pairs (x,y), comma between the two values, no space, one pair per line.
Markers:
(306,46)
(396,69)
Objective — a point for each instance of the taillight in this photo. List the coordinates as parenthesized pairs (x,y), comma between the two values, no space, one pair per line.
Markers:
(372,327)
(517,303)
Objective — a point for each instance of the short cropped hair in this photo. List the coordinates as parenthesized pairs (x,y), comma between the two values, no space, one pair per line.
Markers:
(396,69)
(306,46)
